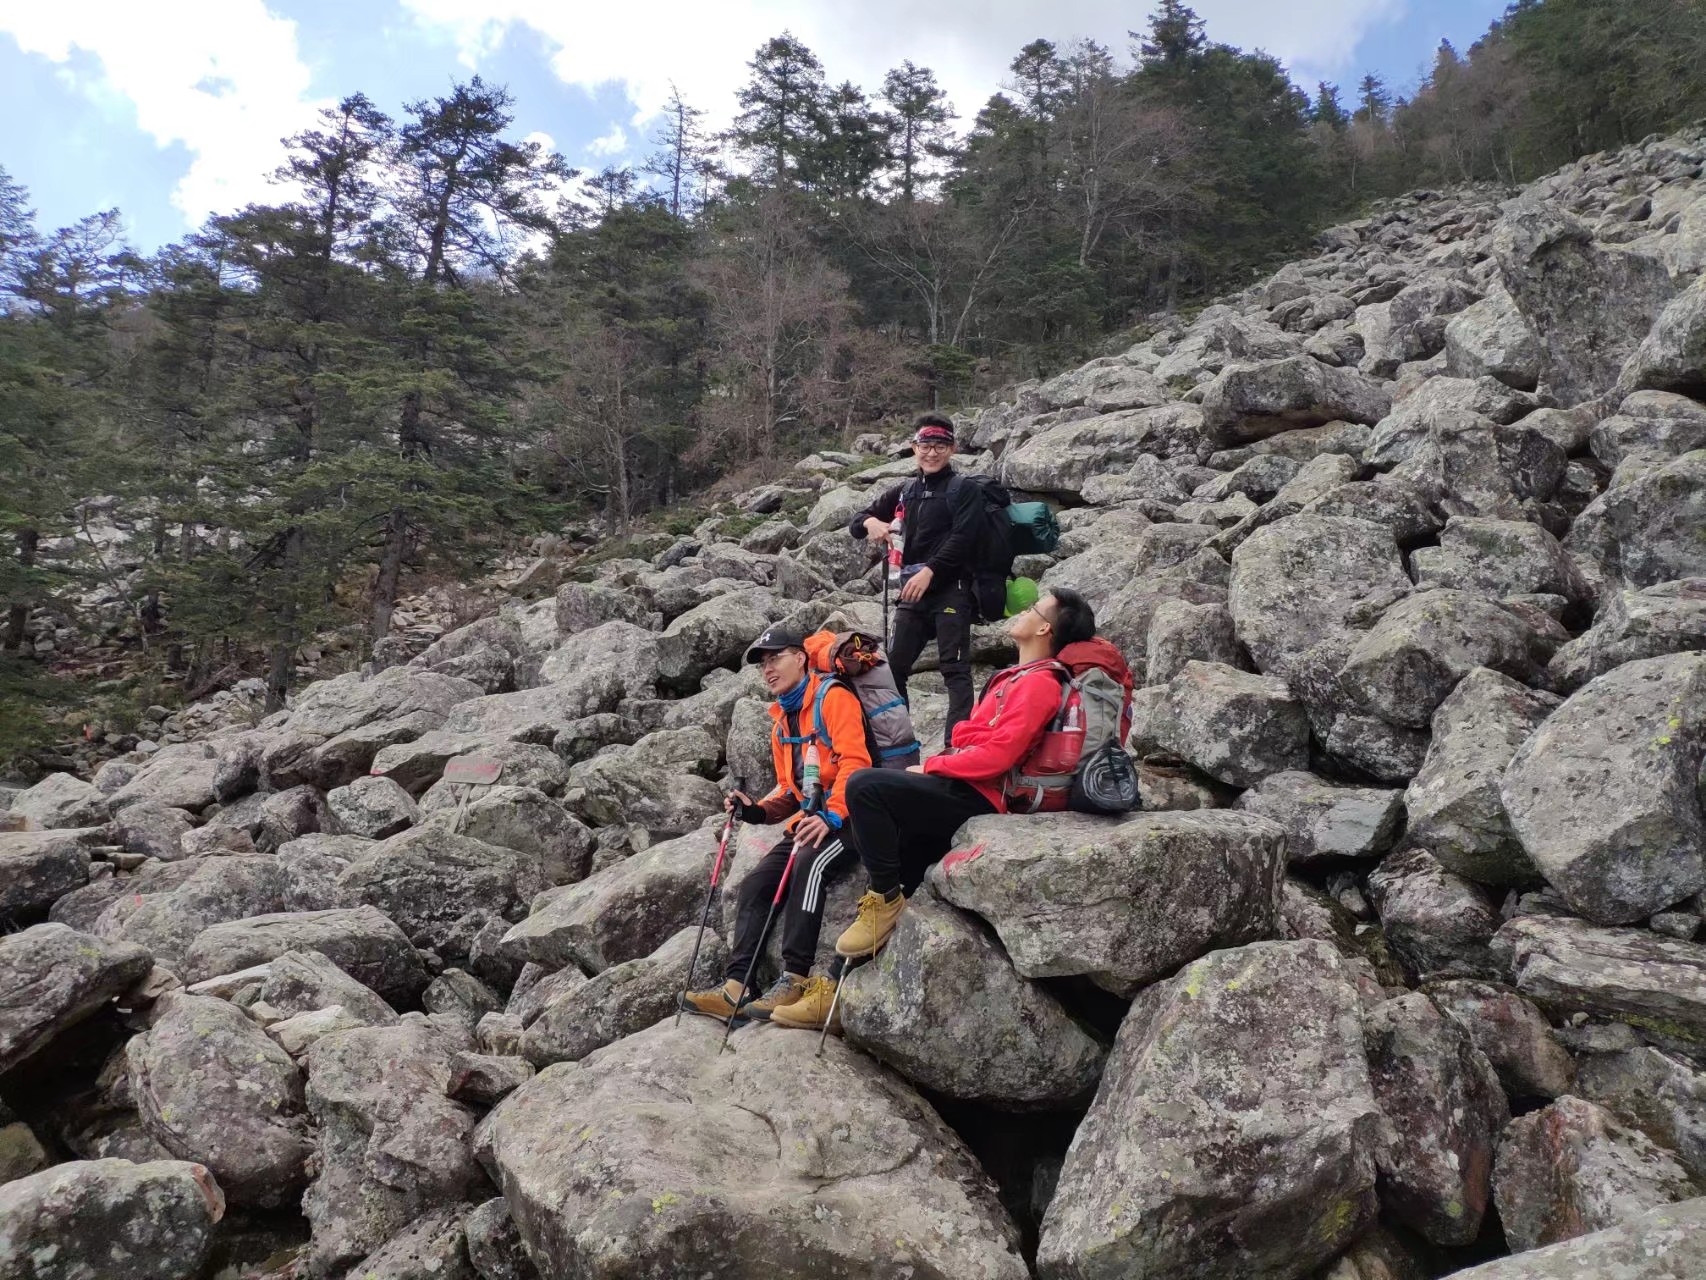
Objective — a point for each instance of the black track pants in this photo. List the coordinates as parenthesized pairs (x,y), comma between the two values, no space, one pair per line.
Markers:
(801,916)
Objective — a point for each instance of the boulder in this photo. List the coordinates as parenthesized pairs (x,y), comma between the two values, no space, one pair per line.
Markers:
(1655,1092)
(38,868)
(152,830)
(942,1005)
(417,766)
(1644,530)
(578,1017)
(212,1088)
(1657,424)
(432,1247)
(1234,726)
(1411,325)
(1218,336)
(360,940)
(429,880)
(185,775)
(1104,386)
(1567,966)
(1605,795)
(1591,304)
(1258,478)
(52,977)
(1667,618)
(494,1245)
(1672,357)
(1325,819)
(1067,894)
(1439,924)
(1499,558)
(1181,633)
(1444,1109)
(1061,459)
(393,1146)
(1492,338)
(60,800)
(459,996)
(1147,479)
(1251,401)
(522,819)
(659,1156)
(96,1218)
(659,783)
(713,634)
(1456,810)
(581,606)
(1264,1166)
(1571,1168)
(486,1079)
(621,913)
(305,981)
(372,808)
(1662,1244)
(291,814)
(1512,1033)
(1404,667)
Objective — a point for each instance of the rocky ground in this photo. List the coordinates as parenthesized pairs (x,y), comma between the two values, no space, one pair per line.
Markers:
(1398,974)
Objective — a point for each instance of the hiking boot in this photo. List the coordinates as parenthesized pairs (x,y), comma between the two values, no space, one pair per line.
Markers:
(783,992)
(877,916)
(809,1011)
(714,1002)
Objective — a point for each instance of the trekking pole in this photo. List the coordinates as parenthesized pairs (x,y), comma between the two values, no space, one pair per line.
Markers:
(885,602)
(763,937)
(823,1036)
(705,915)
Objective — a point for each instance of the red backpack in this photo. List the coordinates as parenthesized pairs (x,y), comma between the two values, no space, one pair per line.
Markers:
(1092,725)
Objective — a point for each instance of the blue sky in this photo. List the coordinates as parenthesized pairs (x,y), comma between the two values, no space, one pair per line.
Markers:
(172,109)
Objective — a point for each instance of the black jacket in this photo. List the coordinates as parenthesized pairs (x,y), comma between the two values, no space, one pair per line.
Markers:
(939,532)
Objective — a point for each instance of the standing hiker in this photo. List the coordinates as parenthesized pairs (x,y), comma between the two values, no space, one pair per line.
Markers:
(817,740)
(904,822)
(938,524)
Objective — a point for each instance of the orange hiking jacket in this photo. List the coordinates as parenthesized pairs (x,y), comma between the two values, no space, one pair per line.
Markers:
(842,750)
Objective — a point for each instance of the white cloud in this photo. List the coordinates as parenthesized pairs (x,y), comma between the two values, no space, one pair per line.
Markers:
(703,48)
(613,143)
(220,77)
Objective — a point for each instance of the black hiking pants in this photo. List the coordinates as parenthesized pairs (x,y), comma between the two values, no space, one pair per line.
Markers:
(945,617)
(904,822)
(802,914)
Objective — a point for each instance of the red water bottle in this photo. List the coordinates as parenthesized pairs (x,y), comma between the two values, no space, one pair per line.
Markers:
(897,540)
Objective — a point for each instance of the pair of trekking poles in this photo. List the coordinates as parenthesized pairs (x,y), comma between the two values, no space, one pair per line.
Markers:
(723,859)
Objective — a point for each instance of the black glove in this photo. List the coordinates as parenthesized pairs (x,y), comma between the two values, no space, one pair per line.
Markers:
(751,813)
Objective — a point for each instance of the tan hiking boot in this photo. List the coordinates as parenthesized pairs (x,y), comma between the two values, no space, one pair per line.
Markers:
(713,1002)
(783,992)
(877,916)
(813,1006)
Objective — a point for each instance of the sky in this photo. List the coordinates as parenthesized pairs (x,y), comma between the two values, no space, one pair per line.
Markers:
(171,110)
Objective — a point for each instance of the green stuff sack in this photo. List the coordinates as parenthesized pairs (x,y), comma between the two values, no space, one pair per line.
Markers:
(1021,595)
(1034,530)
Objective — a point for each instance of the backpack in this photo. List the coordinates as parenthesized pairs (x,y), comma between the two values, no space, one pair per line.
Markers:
(1080,762)
(855,660)
(1005,529)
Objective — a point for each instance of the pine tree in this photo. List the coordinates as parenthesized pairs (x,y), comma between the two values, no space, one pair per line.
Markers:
(1175,35)
(782,110)
(916,123)
(683,151)
(1327,110)
(1374,102)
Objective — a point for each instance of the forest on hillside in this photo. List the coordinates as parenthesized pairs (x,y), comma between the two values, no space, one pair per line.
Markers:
(440,339)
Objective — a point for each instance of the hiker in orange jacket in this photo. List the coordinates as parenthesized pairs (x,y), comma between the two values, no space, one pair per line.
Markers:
(904,822)
(817,725)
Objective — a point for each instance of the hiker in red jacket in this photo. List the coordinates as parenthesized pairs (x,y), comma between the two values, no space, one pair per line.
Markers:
(903,822)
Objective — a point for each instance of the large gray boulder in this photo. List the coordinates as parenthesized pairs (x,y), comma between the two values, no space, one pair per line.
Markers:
(1062,459)
(432,1247)
(623,1000)
(1180,632)
(1464,464)
(1499,558)
(581,606)
(1325,819)
(52,977)
(1411,325)
(1491,338)
(1644,529)
(1234,726)
(1629,975)
(392,1145)
(38,868)
(714,634)
(659,784)
(1658,1093)
(60,800)
(1439,924)
(1105,386)
(1068,894)
(361,941)
(1591,304)
(1667,618)
(417,766)
(494,1245)
(1672,357)
(1605,795)
(1250,401)
(660,1156)
(942,1005)
(1513,1034)
(188,775)
(1444,1109)
(1264,1166)
(621,913)
(1455,807)
(211,1087)
(306,981)
(1657,424)
(523,819)
(1662,1244)
(372,808)
(1572,1168)
(92,1219)
(1406,665)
